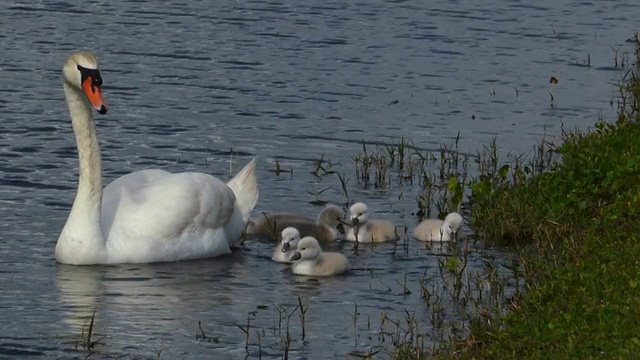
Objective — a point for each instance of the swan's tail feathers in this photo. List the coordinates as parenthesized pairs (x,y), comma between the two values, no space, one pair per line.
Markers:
(245,187)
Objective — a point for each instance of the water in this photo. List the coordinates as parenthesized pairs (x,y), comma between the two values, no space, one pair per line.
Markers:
(189,83)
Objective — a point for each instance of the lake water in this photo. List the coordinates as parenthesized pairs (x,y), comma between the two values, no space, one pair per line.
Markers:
(191,82)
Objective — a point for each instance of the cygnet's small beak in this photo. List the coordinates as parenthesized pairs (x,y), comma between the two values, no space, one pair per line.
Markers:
(296,256)
(286,246)
(355,222)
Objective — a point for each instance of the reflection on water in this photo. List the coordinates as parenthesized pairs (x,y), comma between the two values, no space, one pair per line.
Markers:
(168,307)
(147,300)
(193,87)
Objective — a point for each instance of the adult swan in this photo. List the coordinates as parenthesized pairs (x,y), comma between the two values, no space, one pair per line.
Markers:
(149,215)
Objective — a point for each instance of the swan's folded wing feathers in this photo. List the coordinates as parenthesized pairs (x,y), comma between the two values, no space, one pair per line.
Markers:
(245,187)
(120,192)
(164,206)
(217,204)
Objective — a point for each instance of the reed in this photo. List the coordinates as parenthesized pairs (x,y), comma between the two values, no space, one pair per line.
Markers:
(279,169)
(317,200)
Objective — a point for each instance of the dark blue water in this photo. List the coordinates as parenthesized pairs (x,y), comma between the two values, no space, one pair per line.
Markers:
(191,83)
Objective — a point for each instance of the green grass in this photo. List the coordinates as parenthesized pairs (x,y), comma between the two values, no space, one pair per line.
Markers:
(576,226)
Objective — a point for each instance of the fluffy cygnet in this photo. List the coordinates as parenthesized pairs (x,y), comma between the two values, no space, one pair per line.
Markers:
(287,245)
(309,259)
(366,231)
(439,230)
(324,229)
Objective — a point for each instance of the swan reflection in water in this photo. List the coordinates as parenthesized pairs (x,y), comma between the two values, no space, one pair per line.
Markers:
(157,301)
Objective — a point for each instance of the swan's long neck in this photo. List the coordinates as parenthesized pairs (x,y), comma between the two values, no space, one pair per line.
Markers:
(81,240)
(326,223)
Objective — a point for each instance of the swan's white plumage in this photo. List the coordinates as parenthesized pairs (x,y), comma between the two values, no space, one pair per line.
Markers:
(148,215)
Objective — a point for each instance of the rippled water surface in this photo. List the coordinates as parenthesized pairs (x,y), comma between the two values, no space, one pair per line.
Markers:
(191,82)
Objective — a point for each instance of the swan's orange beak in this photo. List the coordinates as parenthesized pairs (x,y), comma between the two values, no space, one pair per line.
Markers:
(93,93)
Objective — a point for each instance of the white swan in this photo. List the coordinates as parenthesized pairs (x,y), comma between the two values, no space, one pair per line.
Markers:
(309,259)
(368,231)
(438,230)
(287,245)
(149,215)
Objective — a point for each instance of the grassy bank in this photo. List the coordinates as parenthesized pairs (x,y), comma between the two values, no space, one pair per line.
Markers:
(576,226)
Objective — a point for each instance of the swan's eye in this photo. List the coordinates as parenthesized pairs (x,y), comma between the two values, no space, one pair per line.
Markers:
(93,74)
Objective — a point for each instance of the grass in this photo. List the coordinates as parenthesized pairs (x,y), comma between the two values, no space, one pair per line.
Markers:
(575,223)
(404,164)
(87,340)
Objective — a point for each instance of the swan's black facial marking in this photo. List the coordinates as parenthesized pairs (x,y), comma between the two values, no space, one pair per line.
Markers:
(93,74)
(90,83)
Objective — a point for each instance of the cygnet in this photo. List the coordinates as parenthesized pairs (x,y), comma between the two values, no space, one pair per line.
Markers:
(324,229)
(367,231)
(309,259)
(439,230)
(287,245)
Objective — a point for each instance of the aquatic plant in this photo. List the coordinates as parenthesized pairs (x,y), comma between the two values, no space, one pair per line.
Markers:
(279,169)
(575,224)
(322,167)
(317,200)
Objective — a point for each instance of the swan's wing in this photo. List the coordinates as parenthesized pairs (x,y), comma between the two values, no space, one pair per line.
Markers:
(114,192)
(157,205)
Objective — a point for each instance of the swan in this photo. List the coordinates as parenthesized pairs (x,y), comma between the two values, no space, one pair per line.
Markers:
(439,230)
(324,229)
(148,215)
(367,231)
(287,245)
(309,259)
